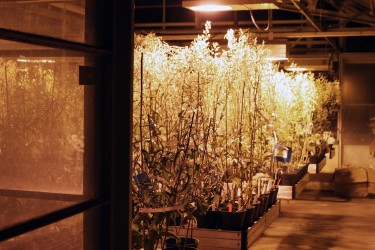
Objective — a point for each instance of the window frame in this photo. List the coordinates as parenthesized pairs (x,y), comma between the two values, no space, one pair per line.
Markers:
(113,103)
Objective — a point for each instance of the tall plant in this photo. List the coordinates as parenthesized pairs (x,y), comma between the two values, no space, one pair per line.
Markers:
(214,115)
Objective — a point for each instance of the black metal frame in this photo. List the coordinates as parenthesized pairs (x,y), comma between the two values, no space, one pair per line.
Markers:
(49,218)
(113,107)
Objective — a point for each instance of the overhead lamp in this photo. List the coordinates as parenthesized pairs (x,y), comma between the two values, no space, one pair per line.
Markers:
(234,5)
(211,7)
(25,60)
(277,52)
(308,63)
(296,69)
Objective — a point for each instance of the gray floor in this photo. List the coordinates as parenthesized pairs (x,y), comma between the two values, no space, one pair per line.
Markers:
(319,220)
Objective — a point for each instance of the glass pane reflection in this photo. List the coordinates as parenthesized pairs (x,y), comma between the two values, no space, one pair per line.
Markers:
(63,19)
(65,235)
(41,131)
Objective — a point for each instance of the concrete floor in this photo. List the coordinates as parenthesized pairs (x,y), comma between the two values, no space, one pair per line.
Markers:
(319,220)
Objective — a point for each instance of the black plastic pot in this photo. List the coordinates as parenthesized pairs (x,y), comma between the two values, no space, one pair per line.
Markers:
(208,220)
(223,209)
(249,217)
(272,197)
(264,200)
(331,153)
(256,211)
(231,220)
(276,191)
(184,244)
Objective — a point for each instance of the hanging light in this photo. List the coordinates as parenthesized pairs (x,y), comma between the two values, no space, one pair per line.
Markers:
(211,7)
(308,63)
(234,5)
(277,51)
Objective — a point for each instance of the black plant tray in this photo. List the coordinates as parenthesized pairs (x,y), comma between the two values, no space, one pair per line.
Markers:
(214,239)
(291,179)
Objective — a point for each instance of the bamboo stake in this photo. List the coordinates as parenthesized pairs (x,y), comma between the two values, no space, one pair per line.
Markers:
(7,94)
(140,125)
(240,137)
(226,140)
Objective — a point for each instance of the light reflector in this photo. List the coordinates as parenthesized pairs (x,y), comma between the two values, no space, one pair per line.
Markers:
(226,5)
(211,7)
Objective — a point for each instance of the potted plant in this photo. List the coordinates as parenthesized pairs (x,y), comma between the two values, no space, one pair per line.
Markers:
(208,120)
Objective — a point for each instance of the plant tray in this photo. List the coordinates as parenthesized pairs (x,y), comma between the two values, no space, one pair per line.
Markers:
(371,180)
(371,188)
(290,179)
(292,192)
(315,168)
(332,153)
(216,239)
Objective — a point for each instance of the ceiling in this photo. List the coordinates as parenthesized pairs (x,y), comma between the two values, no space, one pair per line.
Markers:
(314,31)
(310,28)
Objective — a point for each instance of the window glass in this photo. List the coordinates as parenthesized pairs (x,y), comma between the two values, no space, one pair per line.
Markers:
(42,108)
(41,121)
(63,19)
(74,233)
(358,113)
(19,206)
(66,234)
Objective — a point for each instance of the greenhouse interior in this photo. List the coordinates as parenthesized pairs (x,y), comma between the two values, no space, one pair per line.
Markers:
(187,124)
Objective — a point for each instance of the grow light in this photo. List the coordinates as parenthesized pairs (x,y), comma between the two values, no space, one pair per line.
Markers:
(225,5)
(22,60)
(278,52)
(211,7)
(312,63)
(295,69)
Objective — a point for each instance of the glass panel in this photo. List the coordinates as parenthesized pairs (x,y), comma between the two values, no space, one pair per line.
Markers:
(358,135)
(17,206)
(63,19)
(358,113)
(42,108)
(358,87)
(82,231)
(66,234)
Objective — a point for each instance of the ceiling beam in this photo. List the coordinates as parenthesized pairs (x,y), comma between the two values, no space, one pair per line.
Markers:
(214,31)
(300,41)
(217,23)
(315,25)
(220,35)
(12,2)
(51,42)
(322,13)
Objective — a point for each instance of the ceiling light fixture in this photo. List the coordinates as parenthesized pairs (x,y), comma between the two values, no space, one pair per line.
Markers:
(308,63)
(211,7)
(277,51)
(296,69)
(226,5)
(24,60)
